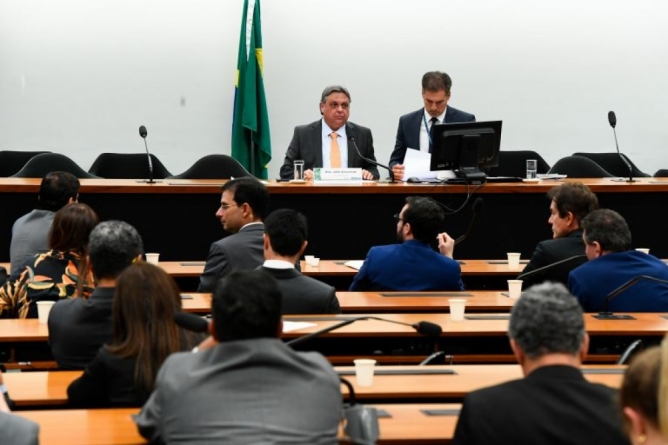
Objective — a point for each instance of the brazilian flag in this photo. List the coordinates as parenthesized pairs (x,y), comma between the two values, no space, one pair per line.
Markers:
(251,144)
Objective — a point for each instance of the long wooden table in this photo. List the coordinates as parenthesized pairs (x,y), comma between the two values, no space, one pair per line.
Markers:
(407,425)
(49,388)
(345,221)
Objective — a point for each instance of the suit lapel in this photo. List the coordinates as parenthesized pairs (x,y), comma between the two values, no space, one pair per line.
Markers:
(315,140)
(449,112)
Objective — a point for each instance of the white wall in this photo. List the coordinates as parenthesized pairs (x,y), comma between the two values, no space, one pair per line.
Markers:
(79,77)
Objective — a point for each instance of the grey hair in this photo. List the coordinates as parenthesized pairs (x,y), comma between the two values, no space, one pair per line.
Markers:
(113,246)
(334,89)
(608,228)
(547,319)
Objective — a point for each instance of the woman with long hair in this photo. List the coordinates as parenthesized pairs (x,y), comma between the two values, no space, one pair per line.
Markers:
(143,335)
(644,397)
(61,272)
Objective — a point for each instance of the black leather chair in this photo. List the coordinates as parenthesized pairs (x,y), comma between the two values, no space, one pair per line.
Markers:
(663,173)
(514,163)
(127,166)
(579,167)
(13,161)
(613,164)
(214,167)
(45,163)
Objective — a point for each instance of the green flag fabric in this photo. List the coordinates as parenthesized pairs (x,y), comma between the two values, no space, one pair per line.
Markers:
(251,143)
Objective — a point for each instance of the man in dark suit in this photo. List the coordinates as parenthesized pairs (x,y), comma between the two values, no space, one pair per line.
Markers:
(284,243)
(415,128)
(78,327)
(243,206)
(569,204)
(15,430)
(553,403)
(330,142)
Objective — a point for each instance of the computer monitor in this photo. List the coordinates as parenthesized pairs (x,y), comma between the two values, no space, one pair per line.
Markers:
(466,148)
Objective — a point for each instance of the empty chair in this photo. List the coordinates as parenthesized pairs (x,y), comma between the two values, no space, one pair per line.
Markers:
(214,167)
(613,164)
(13,161)
(663,173)
(579,167)
(42,164)
(514,163)
(127,166)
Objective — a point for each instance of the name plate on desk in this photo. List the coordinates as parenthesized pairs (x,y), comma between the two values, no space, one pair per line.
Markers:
(334,176)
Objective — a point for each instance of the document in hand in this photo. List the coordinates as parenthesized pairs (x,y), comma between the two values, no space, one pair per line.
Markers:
(418,163)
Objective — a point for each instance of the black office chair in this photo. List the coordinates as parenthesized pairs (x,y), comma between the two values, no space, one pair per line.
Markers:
(45,163)
(662,173)
(13,161)
(514,164)
(613,164)
(214,167)
(127,166)
(579,167)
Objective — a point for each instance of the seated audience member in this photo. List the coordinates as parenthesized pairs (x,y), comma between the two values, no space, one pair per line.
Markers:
(61,272)
(328,142)
(15,430)
(553,403)
(247,386)
(415,129)
(79,327)
(284,243)
(569,204)
(413,265)
(243,206)
(644,397)
(143,335)
(611,264)
(30,233)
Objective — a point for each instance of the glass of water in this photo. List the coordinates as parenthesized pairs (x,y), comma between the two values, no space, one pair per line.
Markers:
(532,166)
(299,170)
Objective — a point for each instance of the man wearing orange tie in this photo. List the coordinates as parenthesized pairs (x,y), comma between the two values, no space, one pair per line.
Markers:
(330,142)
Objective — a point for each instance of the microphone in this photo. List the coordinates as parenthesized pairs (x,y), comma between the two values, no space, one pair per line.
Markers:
(143,133)
(475,209)
(606,314)
(191,322)
(550,266)
(425,328)
(371,161)
(612,120)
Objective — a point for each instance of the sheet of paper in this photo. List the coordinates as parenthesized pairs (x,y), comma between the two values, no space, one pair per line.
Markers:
(416,164)
(289,326)
(354,264)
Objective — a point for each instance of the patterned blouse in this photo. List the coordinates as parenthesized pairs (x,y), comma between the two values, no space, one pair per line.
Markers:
(50,276)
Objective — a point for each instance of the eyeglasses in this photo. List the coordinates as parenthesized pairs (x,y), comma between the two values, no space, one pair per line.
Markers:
(398,218)
(227,206)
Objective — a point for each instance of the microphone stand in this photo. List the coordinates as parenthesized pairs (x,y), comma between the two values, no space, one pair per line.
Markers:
(606,314)
(371,161)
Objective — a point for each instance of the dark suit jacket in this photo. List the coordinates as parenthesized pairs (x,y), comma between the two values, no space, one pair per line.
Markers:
(552,405)
(408,133)
(306,144)
(550,251)
(17,430)
(304,295)
(243,250)
(78,328)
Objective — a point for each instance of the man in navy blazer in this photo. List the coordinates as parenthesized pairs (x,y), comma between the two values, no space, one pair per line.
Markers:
(413,265)
(414,128)
(314,143)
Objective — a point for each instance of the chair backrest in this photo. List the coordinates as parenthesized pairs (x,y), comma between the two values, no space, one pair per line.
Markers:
(127,166)
(214,167)
(45,163)
(514,163)
(662,173)
(613,164)
(579,167)
(13,161)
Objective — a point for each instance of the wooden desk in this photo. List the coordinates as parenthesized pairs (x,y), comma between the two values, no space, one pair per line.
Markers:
(49,388)
(407,425)
(476,301)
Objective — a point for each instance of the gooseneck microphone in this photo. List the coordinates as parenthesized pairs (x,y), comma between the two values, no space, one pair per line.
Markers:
(475,209)
(612,120)
(606,314)
(143,133)
(550,266)
(371,161)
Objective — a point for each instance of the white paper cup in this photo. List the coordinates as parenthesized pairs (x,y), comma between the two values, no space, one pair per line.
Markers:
(43,309)
(513,260)
(514,289)
(314,262)
(308,259)
(364,371)
(457,307)
(152,258)
(643,250)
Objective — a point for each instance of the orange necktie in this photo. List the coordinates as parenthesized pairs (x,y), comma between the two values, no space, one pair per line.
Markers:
(334,152)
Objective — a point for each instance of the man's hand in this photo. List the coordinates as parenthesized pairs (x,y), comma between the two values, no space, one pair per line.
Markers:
(398,170)
(308,174)
(367,175)
(446,245)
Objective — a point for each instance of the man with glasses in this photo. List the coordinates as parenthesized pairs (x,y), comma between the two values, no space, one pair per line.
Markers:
(243,206)
(413,265)
(330,142)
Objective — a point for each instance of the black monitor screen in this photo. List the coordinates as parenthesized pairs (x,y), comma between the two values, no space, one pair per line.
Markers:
(466,145)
